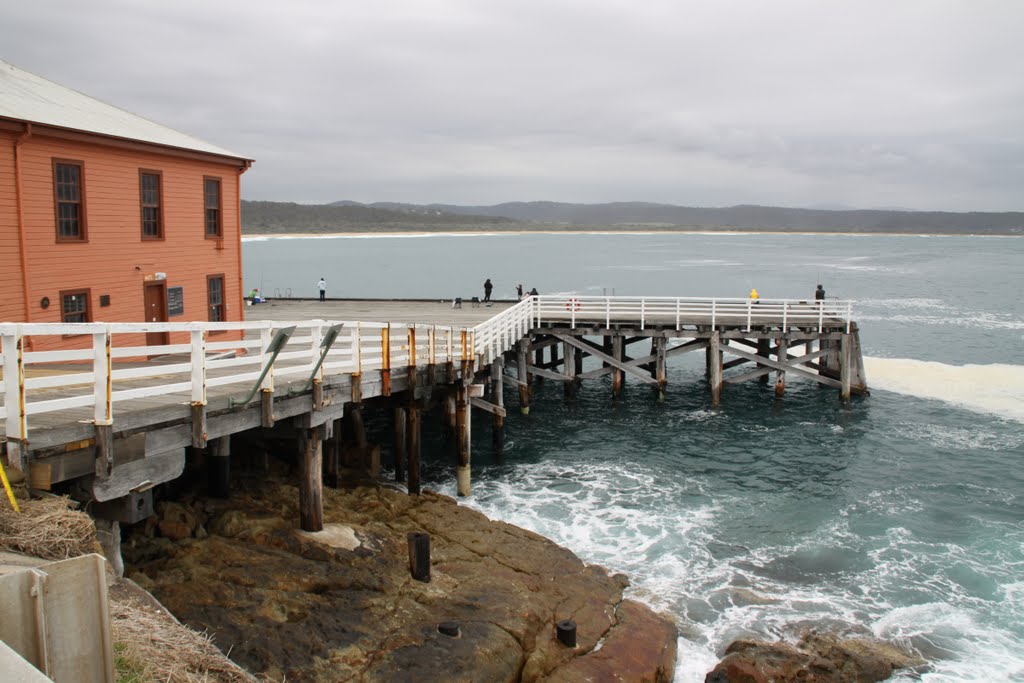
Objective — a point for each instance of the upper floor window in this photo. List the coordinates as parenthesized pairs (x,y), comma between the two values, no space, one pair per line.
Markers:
(69,200)
(215,297)
(212,202)
(74,306)
(151,199)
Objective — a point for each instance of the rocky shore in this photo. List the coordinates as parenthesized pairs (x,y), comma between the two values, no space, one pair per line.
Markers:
(341,605)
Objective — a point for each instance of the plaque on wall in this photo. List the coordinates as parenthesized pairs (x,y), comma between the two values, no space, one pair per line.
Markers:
(175,301)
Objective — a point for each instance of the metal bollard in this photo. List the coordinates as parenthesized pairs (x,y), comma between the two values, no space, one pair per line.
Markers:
(566,632)
(449,628)
(419,556)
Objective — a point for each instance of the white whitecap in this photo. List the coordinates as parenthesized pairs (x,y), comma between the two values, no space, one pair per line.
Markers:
(995,389)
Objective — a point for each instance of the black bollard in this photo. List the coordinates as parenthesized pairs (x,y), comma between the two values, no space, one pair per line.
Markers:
(449,628)
(566,632)
(419,556)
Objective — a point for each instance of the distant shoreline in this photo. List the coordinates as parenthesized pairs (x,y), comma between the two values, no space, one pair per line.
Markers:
(486,233)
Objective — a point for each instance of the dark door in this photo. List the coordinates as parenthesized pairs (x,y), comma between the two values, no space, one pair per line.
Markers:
(156,312)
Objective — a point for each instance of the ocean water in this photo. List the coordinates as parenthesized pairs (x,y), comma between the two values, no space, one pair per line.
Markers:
(900,514)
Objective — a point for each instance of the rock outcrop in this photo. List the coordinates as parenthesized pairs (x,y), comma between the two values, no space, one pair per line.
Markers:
(340,604)
(818,658)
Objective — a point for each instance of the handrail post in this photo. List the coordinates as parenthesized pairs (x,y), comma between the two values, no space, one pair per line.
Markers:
(849,315)
(198,339)
(714,312)
(678,318)
(785,316)
(821,317)
(357,351)
(607,312)
(198,365)
(14,400)
(385,356)
(268,379)
(643,312)
(103,413)
(750,305)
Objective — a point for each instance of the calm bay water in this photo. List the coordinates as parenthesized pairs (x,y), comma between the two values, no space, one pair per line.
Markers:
(901,514)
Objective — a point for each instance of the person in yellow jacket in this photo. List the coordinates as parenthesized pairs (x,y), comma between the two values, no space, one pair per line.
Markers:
(753,294)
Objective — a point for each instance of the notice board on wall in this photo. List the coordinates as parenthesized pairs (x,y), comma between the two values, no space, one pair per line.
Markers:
(175,301)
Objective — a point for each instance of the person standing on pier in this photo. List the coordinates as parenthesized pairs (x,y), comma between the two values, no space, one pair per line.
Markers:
(487,290)
(519,292)
(819,294)
(322,286)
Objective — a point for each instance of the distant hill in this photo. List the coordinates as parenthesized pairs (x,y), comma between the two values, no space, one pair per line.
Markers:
(286,217)
(347,216)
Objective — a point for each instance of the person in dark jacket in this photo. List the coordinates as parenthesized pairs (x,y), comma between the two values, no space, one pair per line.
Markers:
(819,293)
(487,290)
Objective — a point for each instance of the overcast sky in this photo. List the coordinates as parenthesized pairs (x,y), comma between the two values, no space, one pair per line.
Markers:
(861,103)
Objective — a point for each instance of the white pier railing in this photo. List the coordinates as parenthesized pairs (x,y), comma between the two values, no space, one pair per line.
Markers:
(112,368)
(500,333)
(88,383)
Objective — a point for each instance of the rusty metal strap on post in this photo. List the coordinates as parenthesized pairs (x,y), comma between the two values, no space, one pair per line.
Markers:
(275,346)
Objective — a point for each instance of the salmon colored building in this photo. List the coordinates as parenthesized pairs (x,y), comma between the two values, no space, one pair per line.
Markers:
(108,217)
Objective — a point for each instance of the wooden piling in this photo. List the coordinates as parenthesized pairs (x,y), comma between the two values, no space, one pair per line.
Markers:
(219,463)
(569,369)
(311,507)
(538,361)
(498,399)
(780,375)
(660,365)
(332,455)
(715,368)
(618,376)
(356,426)
(462,436)
(764,349)
(398,441)
(844,367)
(412,441)
(578,361)
(522,365)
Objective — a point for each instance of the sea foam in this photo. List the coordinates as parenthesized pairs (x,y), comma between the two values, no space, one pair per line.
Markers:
(995,389)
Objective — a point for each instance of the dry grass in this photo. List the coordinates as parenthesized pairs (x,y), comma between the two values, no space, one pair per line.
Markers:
(47,528)
(151,646)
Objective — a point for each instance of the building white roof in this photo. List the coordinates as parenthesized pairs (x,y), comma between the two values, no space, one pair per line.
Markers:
(27,97)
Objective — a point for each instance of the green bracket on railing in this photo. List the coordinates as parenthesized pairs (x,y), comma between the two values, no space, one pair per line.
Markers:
(325,348)
(274,348)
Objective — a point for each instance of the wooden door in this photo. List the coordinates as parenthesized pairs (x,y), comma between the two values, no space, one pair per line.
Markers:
(156,312)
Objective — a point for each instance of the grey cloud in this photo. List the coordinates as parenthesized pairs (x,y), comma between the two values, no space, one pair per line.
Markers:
(795,102)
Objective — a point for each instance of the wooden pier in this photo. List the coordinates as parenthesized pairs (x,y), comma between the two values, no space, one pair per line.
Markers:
(107,423)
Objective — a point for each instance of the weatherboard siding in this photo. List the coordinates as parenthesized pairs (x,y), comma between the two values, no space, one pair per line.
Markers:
(115,260)
(11,299)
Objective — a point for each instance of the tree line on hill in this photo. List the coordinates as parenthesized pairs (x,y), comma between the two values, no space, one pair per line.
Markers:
(261,217)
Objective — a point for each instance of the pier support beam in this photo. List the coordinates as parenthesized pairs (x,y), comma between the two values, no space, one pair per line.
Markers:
(398,442)
(356,426)
(780,375)
(569,368)
(660,366)
(412,444)
(498,398)
(715,368)
(522,365)
(332,454)
(462,435)
(311,504)
(844,367)
(764,349)
(618,376)
(219,463)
